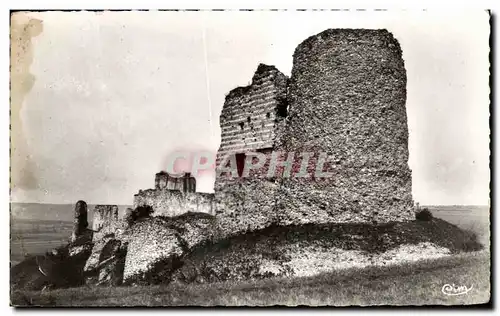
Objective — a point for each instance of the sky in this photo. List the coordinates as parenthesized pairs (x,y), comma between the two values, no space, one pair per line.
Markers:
(111,94)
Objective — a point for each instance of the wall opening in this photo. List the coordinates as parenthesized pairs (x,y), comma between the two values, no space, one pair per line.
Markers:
(282,108)
(240,163)
(242,125)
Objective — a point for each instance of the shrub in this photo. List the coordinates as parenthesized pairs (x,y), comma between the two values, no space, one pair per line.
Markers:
(471,241)
(140,212)
(424,215)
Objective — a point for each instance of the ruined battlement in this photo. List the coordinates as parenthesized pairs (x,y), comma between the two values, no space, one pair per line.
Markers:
(251,114)
(252,120)
(184,183)
(103,215)
(174,195)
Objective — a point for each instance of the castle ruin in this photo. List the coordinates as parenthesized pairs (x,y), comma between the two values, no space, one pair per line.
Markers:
(174,195)
(103,215)
(345,99)
(80,222)
(252,120)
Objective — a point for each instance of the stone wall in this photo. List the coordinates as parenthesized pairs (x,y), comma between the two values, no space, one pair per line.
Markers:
(80,221)
(183,182)
(157,245)
(110,228)
(104,215)
(150,242)
(347,97)
(250,121)
(171,203)
(250,114)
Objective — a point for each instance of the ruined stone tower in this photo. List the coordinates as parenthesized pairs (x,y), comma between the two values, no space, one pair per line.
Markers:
(251,121)
(80,222)
(346,100)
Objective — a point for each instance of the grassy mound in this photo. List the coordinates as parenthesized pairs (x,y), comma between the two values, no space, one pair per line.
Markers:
(244,256)
(272,252)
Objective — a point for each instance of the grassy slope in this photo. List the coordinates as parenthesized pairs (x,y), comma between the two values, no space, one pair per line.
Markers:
(416,284)
(409,284)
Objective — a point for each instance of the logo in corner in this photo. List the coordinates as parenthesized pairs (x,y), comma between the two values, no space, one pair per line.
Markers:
(452,289)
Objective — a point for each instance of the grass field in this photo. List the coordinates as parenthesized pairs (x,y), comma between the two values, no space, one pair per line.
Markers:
(30,237)
(408,284)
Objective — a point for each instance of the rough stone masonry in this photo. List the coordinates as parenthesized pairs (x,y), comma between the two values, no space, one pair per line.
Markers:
(345,98)
(174,195)
(80,222)
(251,121)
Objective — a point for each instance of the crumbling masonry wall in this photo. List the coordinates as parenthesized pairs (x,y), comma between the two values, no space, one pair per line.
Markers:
(251,114)
(250,121)
(174,195)
(104,215)
(347,98)
(171,202)
(184,182)
(80,222)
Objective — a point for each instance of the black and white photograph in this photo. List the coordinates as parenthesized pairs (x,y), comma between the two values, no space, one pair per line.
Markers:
(241,158)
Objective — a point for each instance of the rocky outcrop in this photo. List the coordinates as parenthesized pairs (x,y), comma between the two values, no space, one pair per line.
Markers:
(60,268)
(152,252)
